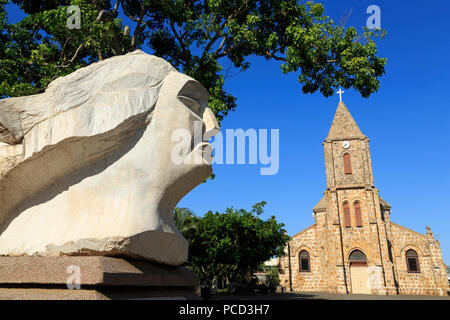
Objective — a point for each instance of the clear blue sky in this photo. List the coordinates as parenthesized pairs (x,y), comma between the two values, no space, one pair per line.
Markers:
(407,122)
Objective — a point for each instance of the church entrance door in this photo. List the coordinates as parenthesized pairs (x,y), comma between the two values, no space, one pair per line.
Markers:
(359,277)
(359,274)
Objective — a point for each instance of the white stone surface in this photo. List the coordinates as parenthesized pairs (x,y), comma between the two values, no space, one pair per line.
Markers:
(85,168)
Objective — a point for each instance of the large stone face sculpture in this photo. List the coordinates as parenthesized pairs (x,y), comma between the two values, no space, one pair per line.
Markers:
(86,167)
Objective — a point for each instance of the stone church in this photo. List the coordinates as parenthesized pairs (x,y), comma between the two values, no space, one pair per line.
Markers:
(354,247)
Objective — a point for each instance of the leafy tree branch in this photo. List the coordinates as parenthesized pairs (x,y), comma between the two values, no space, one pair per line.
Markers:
(197,37)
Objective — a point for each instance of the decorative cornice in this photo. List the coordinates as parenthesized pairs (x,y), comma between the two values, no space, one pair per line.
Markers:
(328,140)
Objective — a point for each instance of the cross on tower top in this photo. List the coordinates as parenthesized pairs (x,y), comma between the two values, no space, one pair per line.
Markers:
(340,92)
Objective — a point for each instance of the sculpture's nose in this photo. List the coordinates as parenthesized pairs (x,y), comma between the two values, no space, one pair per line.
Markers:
(211,125)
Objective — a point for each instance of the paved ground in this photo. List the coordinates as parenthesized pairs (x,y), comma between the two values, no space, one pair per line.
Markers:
(321,296)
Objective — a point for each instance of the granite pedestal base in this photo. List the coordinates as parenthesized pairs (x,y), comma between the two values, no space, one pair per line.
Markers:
(92,278)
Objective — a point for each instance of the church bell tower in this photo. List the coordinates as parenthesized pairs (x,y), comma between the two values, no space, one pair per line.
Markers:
(349,217)
(347,155)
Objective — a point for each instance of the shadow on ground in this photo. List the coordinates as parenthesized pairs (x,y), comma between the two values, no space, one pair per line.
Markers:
(320,296)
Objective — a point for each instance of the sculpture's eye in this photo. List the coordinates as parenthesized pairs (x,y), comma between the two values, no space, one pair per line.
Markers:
(191,103)
(193,94)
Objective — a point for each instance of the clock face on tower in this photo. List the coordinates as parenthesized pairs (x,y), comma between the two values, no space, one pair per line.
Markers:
(346,144)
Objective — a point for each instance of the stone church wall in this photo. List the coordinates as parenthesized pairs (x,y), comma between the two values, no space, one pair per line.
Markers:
(432,279)
(303,281)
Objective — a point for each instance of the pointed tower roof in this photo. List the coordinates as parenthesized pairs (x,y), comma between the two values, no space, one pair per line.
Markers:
(344,126)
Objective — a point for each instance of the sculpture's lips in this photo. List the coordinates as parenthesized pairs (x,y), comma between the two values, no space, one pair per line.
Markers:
(202,146)
(204,149)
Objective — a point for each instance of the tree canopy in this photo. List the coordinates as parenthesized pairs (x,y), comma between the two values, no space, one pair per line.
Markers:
(197,37)
(233,244)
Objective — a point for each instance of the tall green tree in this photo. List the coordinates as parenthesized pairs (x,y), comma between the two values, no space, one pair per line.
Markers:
(197,37)
(233,244)
(184,221)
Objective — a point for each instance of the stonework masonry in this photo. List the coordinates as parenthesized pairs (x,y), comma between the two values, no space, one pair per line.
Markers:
(367,256)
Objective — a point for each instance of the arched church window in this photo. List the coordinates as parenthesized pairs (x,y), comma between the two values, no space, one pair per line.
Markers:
(412,261)
(358,216)
(357,257)
(347,218)
(347,164)
(304,262)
